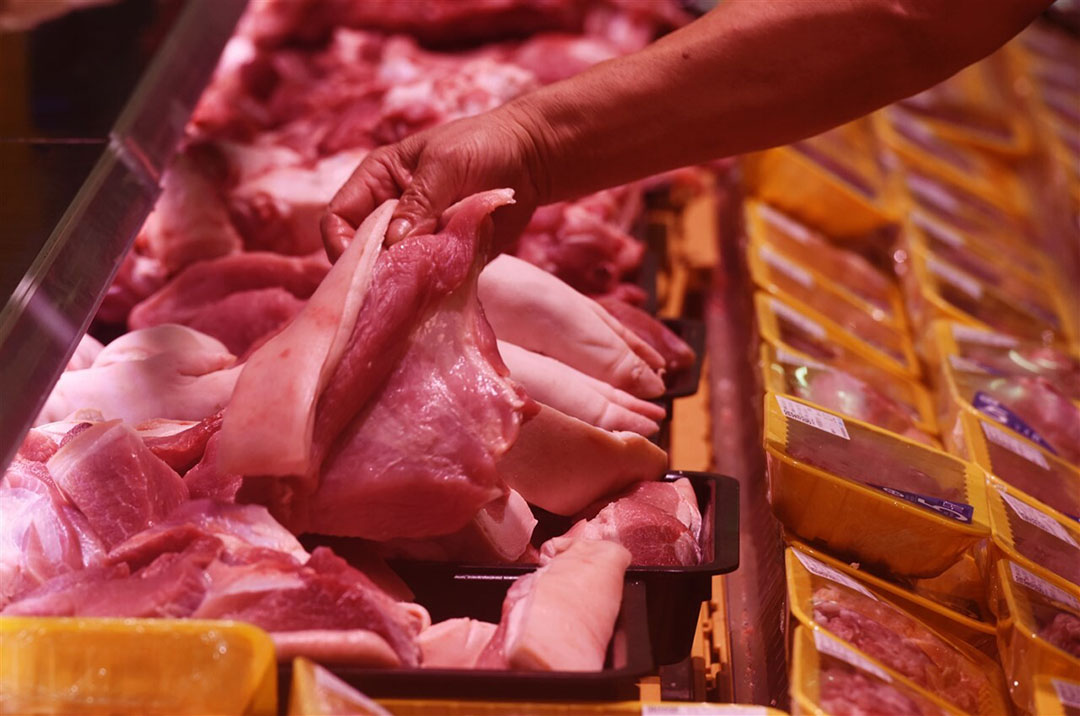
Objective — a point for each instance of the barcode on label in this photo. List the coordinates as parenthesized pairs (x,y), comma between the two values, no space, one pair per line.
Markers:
(702,710)
(1068,692)
(788,225)
(956,277)
(792,316)
(783,355)
(940,231)
(970,334)
(816,566)
(1040,585)
(965,364)
(813,417)
(833,647)
(786,267)
(1014,444)
(1034,517)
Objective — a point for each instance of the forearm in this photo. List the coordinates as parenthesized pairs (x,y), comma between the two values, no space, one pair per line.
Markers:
(749,75)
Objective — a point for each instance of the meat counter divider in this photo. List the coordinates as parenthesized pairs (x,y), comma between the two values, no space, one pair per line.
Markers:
(51,308)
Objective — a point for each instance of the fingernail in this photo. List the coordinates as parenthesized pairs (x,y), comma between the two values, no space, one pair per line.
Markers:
(399,228)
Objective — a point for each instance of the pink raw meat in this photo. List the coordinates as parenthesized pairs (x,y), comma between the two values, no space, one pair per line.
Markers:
(557,56)
(677,354)
(658,522)
(561,617)
(454,643)
(165,372)
(206,479)
(846,691)
(116,481)
(137,279)
(412,410)
(1063,631)
(237,299)
(1039,404)
(179,443)
(42,535)
(189,222)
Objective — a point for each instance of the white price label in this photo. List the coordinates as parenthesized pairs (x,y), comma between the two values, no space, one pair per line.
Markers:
(790,315)
(786,224)
(813,417)
(955,276)
(702,710)
(1034,517)
(970,334)
(1040,585)
(833,647)
(941,232)
(816,566)
(929,190)
(783,355)
(965,364)
(1068,692)
(786,267)
(1014,444)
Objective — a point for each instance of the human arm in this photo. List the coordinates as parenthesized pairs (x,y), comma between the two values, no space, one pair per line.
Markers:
(748,75)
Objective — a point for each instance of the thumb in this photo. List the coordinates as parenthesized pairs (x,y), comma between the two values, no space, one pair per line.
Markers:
(421,204)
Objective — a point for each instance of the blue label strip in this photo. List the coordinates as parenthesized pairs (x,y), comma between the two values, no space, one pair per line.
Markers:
(994,408)
(959,511)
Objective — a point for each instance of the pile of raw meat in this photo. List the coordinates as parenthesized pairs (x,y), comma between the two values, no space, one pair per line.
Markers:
(420,397)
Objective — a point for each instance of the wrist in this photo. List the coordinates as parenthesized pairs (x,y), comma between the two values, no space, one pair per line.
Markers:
(534,145)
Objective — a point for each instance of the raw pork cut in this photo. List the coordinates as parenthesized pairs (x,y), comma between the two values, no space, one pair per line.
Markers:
(164,372)
(189,222)
(1063,631)
(1036,402)
(180,443)
(500,532)
(402,402)
(535,310)
(658,522)
(137,279)
(279,210)
(902,643)
(454,643)
(677,354)
(238,299)
(114,479)
(562,464)
(85,353)
(569,390)
(561,617)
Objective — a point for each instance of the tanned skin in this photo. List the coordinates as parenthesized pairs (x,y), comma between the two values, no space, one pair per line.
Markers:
(749,75)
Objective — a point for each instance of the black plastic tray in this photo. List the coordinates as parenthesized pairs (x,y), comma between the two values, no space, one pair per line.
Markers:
(685,382)
(481,597)
(674,594)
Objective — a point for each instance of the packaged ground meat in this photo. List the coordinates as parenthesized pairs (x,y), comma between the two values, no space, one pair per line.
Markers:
(1035,539)
(1040,630)
(829,677)
(999,354)
(878,628)
(869,495)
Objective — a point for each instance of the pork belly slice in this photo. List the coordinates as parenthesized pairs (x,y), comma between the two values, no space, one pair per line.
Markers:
(415,408)
(164,372)
(239,299)
(561,617)
(535,310)
(563,465)
(659,522)
(454,643)
(568,390)
(113,478)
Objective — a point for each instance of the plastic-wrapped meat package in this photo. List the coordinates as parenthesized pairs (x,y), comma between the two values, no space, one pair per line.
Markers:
(1063,631)
(951,102)
(904,644)
(1042,539)
(840,391)
(1043,477)
(1029,406)
(1027,359)
(847,691)
(800,243)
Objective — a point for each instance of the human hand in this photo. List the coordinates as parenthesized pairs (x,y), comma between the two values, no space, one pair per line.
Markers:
(433,169)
